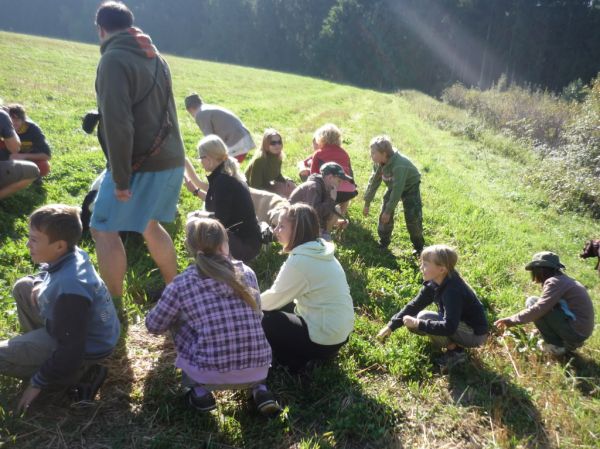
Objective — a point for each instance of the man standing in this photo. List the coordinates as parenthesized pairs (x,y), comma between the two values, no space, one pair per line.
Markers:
(145,151)
(212,119)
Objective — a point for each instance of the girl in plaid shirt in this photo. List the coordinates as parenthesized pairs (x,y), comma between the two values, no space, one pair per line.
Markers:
(213,312)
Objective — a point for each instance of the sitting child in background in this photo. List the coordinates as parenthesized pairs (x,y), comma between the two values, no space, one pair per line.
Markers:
(66,312)
(213,310)
(460,319)
(264,170)
(16,174)
(402,180)
(34,147)
(320,191)
(328,141)
(564,314)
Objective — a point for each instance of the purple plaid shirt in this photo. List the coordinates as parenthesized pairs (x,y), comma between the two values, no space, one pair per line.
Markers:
(213,329)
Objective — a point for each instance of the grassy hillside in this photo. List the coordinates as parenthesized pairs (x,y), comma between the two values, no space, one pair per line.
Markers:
(373,395)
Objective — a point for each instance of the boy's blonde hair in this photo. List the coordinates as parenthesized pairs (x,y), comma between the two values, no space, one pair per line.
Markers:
(382,144)
(58,222)
(204,237)
(213,146)
(441,255)
(328,134)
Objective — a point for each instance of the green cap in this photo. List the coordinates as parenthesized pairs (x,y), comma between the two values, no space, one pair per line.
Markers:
(545,259)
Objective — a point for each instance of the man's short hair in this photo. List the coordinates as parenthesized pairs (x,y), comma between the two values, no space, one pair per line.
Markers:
(114,16)
(58,222)
(16,110)
(193,101)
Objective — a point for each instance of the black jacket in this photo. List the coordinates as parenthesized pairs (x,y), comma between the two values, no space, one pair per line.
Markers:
(232,205)
(455,302)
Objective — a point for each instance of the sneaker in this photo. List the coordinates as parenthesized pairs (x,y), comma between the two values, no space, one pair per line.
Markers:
(90,383)
(204,403)
(266,403)
(552,349)
(383,245)
(451,358)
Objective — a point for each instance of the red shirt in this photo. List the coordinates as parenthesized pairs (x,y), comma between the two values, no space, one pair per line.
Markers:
(333,153)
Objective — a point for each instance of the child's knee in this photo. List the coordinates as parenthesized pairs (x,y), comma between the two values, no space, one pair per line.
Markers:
(23,288)
(531,300)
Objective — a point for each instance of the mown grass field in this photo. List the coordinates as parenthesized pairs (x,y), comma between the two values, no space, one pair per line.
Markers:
(373,396)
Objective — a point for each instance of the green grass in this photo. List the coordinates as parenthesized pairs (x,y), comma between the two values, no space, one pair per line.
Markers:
(475,198)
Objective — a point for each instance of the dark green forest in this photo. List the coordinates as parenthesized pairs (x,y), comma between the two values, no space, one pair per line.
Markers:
(383,44)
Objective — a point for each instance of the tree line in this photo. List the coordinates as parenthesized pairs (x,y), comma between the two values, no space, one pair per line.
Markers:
(383,44)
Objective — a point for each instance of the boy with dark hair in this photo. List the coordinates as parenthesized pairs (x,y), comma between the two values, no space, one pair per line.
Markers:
(66,312)
(34,147)
(402,180)
(320,191)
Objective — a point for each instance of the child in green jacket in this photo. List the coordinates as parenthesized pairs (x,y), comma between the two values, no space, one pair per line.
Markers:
(402,180)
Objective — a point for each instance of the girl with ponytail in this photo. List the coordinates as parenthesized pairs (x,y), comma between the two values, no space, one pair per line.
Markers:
(213,311)
(227,195)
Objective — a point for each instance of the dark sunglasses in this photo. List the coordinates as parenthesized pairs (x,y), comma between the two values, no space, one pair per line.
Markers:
(276,142)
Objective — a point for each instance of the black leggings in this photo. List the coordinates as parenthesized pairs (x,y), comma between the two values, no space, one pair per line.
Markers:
(288,336)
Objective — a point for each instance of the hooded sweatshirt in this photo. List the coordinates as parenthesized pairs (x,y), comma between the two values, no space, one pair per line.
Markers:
(315,281)
(132,93)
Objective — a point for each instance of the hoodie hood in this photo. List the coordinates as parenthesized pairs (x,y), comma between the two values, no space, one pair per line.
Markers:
(133,40)
(319,249)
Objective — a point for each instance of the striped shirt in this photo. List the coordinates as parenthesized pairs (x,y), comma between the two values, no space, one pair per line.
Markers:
(213,329)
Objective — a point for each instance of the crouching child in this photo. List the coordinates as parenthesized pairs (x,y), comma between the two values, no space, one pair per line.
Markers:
(65,311)
(459,321)
(213,312)
(563,314)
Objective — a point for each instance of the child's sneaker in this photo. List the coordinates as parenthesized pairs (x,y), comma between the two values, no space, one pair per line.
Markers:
(451,358)
(266,403)
(551,349)
(90,383)
(204,403)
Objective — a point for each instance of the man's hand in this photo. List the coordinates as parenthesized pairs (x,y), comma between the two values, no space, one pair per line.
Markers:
(384,333)
(123,195)
(503,323)
(28,397)
(385,218)
(366,211)
(410,322)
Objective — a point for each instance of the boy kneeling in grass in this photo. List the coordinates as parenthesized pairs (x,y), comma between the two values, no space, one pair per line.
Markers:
(402,180)
(65,311)
(564,313)
(460,320)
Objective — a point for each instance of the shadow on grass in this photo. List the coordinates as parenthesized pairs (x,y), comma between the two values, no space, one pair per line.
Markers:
(508,406)
(20,205)
(586,374)
(55,420)
(322,405)
(360,240)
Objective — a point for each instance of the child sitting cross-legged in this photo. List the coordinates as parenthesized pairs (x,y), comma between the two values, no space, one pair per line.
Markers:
(213,311)
(66,311)
(460,320)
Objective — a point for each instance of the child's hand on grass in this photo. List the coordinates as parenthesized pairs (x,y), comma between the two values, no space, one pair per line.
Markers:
(28,397)
(384,333)
(503,323)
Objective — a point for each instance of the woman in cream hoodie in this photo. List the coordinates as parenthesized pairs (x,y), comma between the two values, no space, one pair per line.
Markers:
(308,310)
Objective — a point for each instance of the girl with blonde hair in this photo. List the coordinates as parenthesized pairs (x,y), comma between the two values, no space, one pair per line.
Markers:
(213,311)
(227,196)
(460,320)
(264,171)
(328,143)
